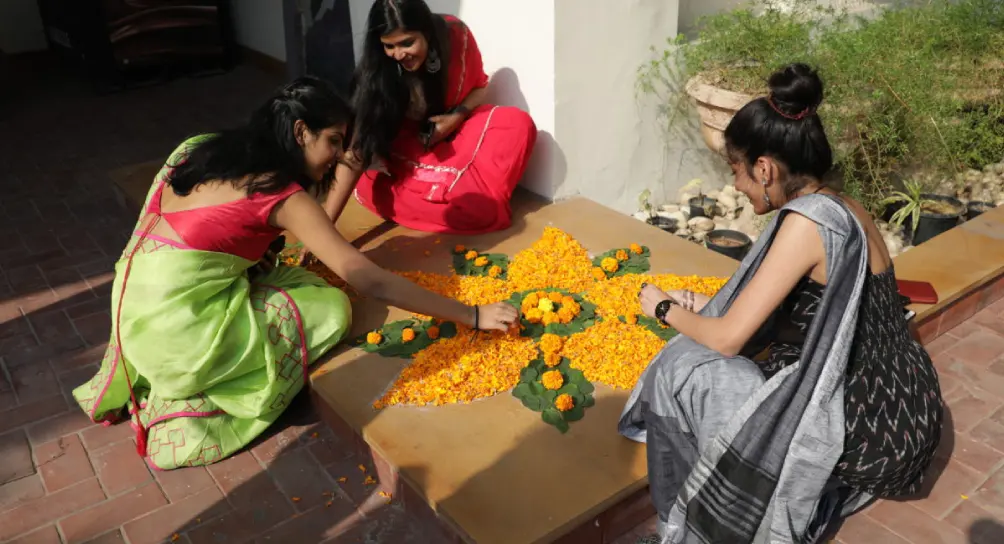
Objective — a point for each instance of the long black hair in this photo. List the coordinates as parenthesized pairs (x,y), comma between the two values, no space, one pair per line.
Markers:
(264,156)
(784,126)
(380,91)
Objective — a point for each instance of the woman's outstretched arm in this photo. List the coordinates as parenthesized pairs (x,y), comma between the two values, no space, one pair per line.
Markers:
(302,216)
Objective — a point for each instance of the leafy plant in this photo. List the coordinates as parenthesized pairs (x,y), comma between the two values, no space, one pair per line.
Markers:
(653,326)
(585,319)
(393,345)
(532,393)
(636,263)
(469,267)
(911,88)
(644,202)
(912,202)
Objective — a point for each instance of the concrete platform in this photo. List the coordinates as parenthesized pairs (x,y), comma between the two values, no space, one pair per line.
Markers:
(492,470)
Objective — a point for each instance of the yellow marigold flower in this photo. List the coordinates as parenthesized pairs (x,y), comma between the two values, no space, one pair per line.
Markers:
(481,261)
(534,315)
(599,274)
(555,297)
(621,255)
(551,343)
(545,305)
(631,319)
(574,308)
(459,249)
(566,301)
(433,332)
(374,338)
(471,255)
(552,380)
(495,271)
(407,335)
(612,352)
(531,300)
(556,260)
(550,318)
(564,402)
(565,315)
(609,264)
(552,359)
(542,295)
(636,249)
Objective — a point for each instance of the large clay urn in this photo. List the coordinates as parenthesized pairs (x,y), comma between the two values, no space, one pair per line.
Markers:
(715,106)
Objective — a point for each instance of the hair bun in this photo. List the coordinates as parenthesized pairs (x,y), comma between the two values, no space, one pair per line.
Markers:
(796,89)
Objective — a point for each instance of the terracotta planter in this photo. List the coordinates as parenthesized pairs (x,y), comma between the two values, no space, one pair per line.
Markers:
(716,107)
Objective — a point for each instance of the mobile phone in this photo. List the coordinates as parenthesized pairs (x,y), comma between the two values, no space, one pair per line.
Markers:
(919,292)
(425,132)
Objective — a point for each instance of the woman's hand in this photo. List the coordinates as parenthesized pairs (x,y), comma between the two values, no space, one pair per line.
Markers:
(689,300)
(446,125)
(651,296)
(496,317)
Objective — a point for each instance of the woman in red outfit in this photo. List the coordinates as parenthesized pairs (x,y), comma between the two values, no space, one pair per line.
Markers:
(438,159)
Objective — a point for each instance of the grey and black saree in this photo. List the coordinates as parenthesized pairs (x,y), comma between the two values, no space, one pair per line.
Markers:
(733,457)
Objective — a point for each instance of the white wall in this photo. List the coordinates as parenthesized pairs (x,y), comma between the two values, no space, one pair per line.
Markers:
(258,25)
(21,29)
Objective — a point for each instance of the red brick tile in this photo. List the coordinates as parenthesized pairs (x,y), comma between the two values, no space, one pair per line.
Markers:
(55,329)
(327,449)
(981,347)
(34,382)
(941,344)
(988,380)
(914,525)
(990,433)
(975,455)
(88,307)
(861,529)
(987,531)
(990,496)
(272,447)
(930,329)
(38,512)
(183,482)
(13,493)
(317,525)
(944,492)
(237,471)
(112,513)
(113,537)
(15,327)
(969,406)
(95,328)
(25,279)
(63,462)
(99,436)
(992,292)
(120,468)
(45,535)
(967,517)
(990,320)
(390,525)
(68,283)
(15,457)
(18,343)
(92,355)
(31,412)
(302,480)
(41,353)
(72,379)
(178,517)
(353,485)
(59,426)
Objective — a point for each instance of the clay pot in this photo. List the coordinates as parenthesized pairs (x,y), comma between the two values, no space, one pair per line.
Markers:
(730,243)
(700,206)
(716,107)
(663,223)
(975,208)
(932,224)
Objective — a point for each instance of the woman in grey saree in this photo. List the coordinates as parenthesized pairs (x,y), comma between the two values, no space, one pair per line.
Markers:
(846,406)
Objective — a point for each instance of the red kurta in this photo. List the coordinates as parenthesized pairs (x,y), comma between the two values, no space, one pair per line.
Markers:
(463,184)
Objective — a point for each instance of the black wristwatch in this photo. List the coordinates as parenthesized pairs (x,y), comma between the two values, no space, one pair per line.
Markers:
(461,109)
(662,310)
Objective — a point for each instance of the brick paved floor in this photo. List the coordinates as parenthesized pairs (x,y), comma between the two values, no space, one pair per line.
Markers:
(65,480)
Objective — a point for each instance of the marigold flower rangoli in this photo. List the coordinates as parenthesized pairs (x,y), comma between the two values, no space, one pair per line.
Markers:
(580,323)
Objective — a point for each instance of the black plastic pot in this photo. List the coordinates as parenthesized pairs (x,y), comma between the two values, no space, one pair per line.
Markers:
(975,208)
(730,243)
(697,205)
(663,223)
(933,224)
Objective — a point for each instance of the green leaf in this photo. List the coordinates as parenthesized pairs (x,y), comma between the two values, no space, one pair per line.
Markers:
(447,329)
(576,376)
(575,414)
(552,416)
(533,403)
(572,390)
(586,387)
(392,344)
(585,319)
(549,396)
(635,264)
(656,328)
(589,401)
(537,388)
(529,374)
(522,391)
(464,267)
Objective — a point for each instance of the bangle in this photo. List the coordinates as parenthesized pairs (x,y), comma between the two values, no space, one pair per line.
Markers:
(461,109)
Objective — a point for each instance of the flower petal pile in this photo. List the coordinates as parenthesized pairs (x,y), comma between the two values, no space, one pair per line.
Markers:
(612,352)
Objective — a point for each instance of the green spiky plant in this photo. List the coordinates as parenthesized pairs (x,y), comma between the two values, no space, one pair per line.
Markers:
(912,200)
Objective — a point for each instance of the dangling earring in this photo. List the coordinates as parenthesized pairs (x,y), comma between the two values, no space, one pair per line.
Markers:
(400,72)
(432,62)
(766,197)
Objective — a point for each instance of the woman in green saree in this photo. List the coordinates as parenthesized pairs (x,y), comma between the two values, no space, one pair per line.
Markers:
(205,353)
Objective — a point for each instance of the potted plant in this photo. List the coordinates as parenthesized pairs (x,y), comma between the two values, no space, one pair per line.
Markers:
(663,223)
(730,243)
(700,205)
(975,208)
(929,214)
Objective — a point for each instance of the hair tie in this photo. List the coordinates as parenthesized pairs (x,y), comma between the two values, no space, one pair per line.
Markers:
(798,117)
